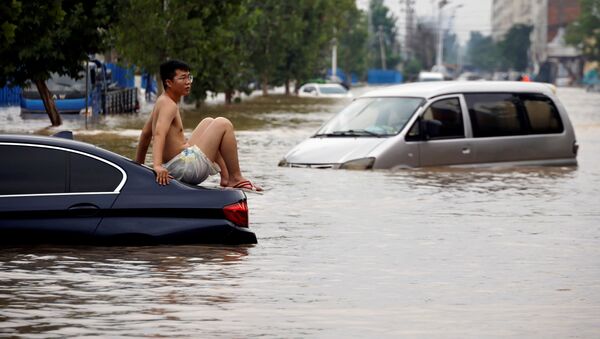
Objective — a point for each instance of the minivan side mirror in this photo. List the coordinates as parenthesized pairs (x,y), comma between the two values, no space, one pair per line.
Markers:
(430,128)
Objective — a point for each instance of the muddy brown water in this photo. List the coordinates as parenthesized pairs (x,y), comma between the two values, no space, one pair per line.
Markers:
(432,253)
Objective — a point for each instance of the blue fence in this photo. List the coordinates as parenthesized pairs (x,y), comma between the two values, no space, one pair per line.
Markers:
(379,76)
(122,76)
(10,96)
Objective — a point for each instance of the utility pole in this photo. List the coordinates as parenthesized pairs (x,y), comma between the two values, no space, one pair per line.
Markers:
(440,49)
(408,26)
(381,47)
(333,59)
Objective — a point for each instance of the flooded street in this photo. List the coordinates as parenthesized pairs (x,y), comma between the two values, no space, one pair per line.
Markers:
(432,253)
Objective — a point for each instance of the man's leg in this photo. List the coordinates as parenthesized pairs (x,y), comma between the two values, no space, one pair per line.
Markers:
(218,137)
(197,135)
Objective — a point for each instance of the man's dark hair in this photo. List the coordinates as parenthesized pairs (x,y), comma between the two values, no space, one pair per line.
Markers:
(169,68)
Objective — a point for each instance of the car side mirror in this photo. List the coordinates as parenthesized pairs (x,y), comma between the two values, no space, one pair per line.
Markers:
(430,128)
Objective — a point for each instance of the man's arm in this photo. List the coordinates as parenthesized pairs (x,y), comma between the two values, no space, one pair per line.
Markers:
(145,138)
(164,118)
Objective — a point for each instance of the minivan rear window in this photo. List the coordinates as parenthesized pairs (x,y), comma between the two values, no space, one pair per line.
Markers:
(495,114)
(542,114)
(505,114)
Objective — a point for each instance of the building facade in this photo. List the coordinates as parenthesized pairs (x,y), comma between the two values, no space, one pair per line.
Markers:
(549,53)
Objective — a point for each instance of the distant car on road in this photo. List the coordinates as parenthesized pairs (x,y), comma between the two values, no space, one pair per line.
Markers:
(470,76)
(430,76)
(324,91)
(444,123)
(57,190)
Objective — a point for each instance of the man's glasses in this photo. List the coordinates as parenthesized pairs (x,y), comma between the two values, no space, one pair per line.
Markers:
(184,78)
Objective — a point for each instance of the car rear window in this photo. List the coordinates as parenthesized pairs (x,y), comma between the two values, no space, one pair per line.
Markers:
(91,175)
(505,114)
(542,114)
(495,115)
(42,170)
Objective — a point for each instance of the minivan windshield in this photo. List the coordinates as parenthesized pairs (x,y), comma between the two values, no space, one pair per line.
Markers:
(371,117)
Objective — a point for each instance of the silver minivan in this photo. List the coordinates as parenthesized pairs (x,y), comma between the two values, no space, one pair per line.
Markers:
(444,124)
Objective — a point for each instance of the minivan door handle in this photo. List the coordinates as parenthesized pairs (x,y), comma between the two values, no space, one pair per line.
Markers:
(84,210)
(466,150)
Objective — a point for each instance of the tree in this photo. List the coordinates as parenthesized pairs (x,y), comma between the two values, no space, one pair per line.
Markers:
(383,26)
(482,52)
(40,38)
(585,31)
(424,42)
(269,38)
(353,35)
(199,33)
(514,48)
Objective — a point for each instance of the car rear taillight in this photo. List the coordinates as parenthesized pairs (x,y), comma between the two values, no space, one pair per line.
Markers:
(237,213)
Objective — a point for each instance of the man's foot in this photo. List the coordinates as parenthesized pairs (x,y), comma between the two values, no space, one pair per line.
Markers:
(247,186)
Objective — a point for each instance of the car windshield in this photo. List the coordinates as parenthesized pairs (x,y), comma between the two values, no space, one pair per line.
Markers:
(64,83)
(333,90)
(371,117)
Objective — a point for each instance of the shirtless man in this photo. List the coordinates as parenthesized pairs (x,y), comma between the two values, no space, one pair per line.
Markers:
(211,148)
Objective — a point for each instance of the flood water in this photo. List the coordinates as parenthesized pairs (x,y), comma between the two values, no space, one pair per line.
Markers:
(431,253)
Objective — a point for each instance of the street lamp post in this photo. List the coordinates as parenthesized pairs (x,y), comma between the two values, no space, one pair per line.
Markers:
(439,52)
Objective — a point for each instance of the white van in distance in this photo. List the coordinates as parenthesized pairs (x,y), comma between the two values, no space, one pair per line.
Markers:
(444,123)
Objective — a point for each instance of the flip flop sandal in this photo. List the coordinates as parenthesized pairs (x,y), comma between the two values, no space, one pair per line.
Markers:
(247,186)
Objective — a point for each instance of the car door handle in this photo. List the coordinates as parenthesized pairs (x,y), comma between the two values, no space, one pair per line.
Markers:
(84,209)
(466,150)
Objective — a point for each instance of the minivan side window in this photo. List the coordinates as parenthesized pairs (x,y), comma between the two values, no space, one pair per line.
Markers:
(448,113)
(32,170)
(542,114)
(495,115)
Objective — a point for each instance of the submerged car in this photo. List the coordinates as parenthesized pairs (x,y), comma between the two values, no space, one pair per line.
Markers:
(57,190)
(324,91)
(444,123)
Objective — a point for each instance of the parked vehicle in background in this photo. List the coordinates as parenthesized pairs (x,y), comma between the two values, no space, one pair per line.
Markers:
(58,190)
(430,76)
(104,95)
(470,76)
(444,123)
(324,91)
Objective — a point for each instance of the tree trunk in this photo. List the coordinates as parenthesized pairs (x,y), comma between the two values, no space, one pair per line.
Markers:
(348,81)
(228,96)
(287,86)
(49,104)
(265,85)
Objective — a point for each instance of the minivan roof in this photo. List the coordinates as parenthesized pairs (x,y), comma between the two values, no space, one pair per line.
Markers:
(437,88)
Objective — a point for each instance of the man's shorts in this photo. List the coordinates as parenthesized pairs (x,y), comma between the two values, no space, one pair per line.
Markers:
(191,166)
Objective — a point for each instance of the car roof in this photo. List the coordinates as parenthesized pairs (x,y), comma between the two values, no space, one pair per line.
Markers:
(437,88)
(62,143)
(323,85)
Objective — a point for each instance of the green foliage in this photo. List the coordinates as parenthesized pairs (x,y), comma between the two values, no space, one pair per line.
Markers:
(585,31)
(514,47)
(412,69)
(198,33)
(44,37)
(353,33)
(383,27)
(482,52)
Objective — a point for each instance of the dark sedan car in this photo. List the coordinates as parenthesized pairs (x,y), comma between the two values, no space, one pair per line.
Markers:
(57,190)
